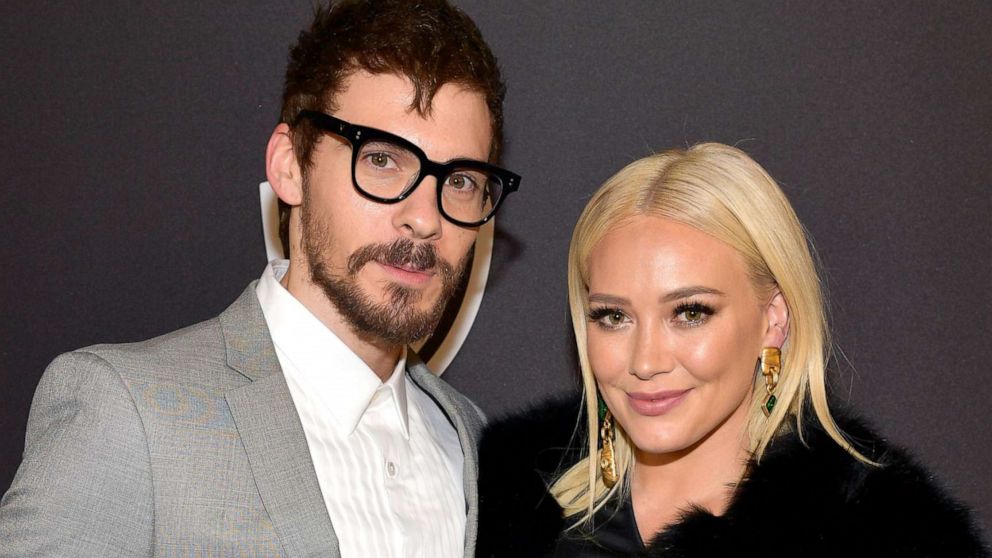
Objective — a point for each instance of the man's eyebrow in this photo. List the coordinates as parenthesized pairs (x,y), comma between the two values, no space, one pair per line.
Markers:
(467,157)
(686,292)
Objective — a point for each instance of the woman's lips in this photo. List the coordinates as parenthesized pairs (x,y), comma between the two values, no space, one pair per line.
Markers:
(657,403)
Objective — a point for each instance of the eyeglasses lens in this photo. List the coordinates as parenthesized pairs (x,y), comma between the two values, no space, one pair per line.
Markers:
(387,170)
(470,194)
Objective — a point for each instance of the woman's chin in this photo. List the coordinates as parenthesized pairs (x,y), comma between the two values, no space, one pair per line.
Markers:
(659,445)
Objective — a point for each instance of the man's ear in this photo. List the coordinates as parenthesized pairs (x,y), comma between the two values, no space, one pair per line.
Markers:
(281,167)
(777,318)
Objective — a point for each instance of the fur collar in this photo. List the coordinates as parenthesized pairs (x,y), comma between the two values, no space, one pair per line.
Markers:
(810,499)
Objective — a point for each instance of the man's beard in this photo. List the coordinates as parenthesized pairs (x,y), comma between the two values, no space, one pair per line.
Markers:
(395,321)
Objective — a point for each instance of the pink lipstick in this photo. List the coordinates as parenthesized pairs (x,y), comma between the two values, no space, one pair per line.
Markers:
(657,403)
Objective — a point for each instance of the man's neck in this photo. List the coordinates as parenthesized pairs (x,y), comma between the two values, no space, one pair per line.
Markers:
(380,356)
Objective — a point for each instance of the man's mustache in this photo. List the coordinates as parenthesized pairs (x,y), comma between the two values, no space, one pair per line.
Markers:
(402,252)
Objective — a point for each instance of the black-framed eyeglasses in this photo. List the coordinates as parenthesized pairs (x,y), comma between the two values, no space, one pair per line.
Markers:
(387,168)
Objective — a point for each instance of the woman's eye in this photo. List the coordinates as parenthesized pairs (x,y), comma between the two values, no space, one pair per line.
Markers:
(609,318)
(692,314)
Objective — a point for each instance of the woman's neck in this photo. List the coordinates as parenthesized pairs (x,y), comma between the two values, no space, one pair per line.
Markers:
(703,475)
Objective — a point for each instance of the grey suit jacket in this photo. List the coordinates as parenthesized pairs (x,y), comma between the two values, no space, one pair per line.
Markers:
(184,445)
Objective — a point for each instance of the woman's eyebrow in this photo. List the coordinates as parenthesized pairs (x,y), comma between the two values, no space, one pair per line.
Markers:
(686,292)
(608,299)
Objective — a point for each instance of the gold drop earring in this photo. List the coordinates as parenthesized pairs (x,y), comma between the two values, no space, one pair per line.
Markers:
(607,457)
(771,365)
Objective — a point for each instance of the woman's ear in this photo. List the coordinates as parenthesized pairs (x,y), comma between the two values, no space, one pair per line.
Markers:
(281,167)
(777,319)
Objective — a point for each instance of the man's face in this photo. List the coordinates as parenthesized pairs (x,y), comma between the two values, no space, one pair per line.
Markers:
(390,269)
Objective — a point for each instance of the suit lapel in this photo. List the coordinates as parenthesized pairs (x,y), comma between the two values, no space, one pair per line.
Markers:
(272,435)
(467,436)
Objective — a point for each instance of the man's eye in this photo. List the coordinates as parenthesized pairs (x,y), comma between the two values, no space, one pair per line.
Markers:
(460,182)
(380,160)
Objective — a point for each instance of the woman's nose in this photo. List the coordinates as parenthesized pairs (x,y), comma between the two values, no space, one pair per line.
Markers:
(651,353)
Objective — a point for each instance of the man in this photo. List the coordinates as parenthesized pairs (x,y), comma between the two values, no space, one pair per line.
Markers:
(296,423)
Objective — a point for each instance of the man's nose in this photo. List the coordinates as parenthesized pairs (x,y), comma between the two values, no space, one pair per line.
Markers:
(418,216)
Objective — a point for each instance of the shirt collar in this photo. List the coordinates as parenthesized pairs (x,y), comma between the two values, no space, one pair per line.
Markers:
(397,384)
(329,371)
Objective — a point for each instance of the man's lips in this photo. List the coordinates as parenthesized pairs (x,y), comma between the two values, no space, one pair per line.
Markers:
(656,403)
(408,273)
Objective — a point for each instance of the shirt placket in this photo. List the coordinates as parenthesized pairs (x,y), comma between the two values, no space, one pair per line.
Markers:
(389,437)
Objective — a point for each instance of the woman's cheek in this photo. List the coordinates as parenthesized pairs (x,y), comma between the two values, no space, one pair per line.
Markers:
(703,356)
(607,356)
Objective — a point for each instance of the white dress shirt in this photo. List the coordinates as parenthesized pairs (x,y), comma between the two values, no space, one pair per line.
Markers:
(388,462)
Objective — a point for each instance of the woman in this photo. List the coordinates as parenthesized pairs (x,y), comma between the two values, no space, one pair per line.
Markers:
(703,344)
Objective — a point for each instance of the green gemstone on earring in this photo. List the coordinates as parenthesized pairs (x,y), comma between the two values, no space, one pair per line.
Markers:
(770,404)
(602,408)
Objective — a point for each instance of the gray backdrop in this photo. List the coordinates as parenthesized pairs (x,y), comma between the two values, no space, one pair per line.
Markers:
(134,135)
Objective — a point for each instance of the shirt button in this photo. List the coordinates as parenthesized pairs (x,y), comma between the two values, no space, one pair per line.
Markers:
(391,469)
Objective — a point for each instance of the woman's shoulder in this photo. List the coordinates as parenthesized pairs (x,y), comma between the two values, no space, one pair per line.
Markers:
(896,504)
(519,457)
(807,492)
(893,483)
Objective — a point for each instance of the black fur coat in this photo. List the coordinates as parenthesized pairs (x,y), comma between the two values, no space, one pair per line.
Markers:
(801,500)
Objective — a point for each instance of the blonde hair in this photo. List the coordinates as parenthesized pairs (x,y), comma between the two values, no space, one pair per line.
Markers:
(721,191)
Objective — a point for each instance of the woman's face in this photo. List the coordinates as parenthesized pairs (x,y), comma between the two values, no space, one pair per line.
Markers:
(675,328)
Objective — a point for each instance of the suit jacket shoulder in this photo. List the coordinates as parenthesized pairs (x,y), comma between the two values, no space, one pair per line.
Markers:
(84,487)
(192,355)
(85,482)
(137,449)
